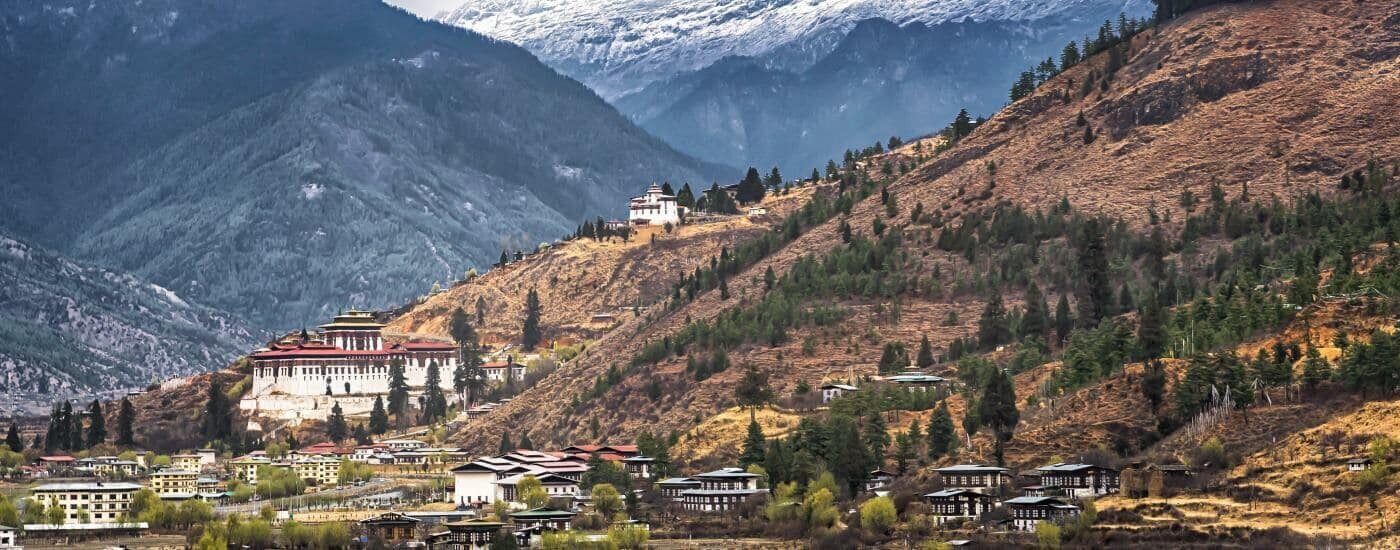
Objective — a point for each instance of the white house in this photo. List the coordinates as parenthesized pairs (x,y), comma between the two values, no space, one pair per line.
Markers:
(951,504)
(1080,480)
(720,490)
(1026,512)
(833,391)
(347,356)
(974,476)
(654,208)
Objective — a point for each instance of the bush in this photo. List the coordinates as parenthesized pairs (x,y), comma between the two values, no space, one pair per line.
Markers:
(629,537)
(1210,455)
(878,515)
(1047,536)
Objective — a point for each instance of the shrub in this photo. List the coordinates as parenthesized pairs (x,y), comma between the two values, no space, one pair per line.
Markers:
(1047,536)
(878,515)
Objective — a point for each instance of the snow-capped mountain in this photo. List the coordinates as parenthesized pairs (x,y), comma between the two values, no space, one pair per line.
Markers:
(618,46)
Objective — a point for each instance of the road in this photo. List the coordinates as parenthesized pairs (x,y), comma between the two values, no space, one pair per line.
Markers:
(377,485)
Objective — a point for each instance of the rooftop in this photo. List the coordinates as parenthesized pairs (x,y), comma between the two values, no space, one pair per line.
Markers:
(90,486)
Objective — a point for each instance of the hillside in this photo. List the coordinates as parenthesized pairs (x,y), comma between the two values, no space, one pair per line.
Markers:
(584,277)
(1233,94)
(283,160)
(69,329)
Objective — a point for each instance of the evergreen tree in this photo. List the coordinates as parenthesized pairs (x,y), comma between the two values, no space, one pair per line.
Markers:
(1154,383)
(666,188)
(925,356)
(753,389)
(75,429)
(903,452)
(1069,57)
(1064,322)
(398,392)
(769,278)
(361,435)
(754,444)
(750,188)
(525,442)
(336,429)
(962,125)
(218,418)
(505,259)
(378,419)
(126,421)
(993,329)
(686,198)
(12,439)
(774,179)
(876,437)
(1316,370)
(1152,330)
(434,404)
(97,425)
(480,311)
(847,454)
(1093,293)
(1036,320)
(530,332)
(506,446)
(997,411)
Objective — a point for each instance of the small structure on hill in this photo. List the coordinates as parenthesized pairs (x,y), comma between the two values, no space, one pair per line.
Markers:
(391,527)
(1359,464)
(654,208)
(834,391)
(1026,512)
(952,504)
(474,534)
(1080,480)
(878,479)
(974,476)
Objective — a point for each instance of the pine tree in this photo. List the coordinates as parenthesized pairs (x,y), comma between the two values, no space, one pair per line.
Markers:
(754,444)
(997,411)
(218,419)
(97,425)
(361,435)
(753,389)
(126,420)
(434,404)
(1152,331)
(876,437)
(992,328)
(925,356)
(1064,322)
(1094,295)
(506,446)
(12,439)
(750,188)
(75,428)
(525,442)
(1316,369)
(686,197)
(962,125)
(398,392)
(1036,320)
(769,279)
(378,419)
(336,428)
(480,311)
(530,332)
(1154,383)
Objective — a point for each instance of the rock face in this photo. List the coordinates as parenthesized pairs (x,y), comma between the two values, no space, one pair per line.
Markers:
(69,329)
(284,160)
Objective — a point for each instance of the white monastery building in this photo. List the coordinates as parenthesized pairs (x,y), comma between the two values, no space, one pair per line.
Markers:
(654,208)
(348,357)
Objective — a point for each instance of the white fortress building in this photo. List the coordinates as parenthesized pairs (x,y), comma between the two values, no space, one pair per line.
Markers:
(654,208)
(345,362)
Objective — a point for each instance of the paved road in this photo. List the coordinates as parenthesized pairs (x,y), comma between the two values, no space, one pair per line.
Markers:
(377,485)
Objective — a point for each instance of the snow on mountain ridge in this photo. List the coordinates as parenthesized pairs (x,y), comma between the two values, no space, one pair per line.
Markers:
(615,46)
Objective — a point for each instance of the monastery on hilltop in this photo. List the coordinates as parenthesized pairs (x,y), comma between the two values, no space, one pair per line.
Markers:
(345,362)
(654,208)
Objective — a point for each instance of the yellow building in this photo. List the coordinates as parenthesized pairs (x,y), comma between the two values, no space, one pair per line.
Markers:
(246,468)
(191,462)
(102,502)
(325,470)
(170,481)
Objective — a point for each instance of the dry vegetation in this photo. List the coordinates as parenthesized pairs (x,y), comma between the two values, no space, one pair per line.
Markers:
(1234,94)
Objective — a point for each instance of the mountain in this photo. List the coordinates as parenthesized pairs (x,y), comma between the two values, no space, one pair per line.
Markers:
(282,160)
(1226,130)
(72,329)
(619,46)
(882,79)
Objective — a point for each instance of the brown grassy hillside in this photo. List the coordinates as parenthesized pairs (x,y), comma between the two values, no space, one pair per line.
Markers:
(581,278)
(1282,96)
